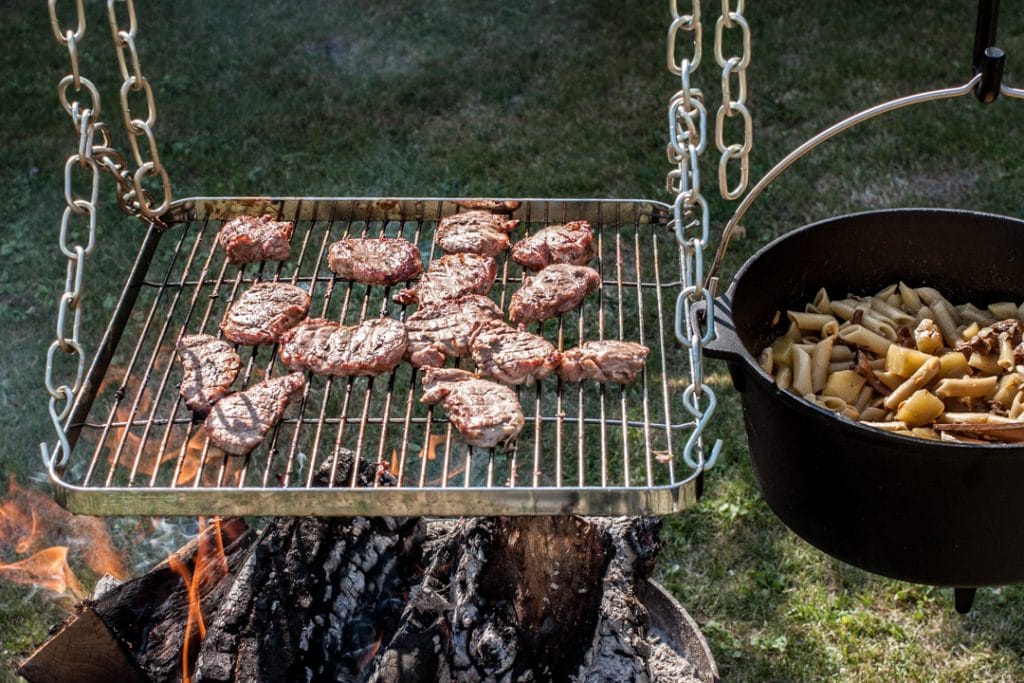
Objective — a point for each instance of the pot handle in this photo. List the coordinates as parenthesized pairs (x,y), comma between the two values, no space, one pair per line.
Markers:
(726,344)
(992,57)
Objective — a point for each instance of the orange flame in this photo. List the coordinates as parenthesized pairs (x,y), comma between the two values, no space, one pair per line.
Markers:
(29,519)
(430,450)
(209,566)
(372,652)
(152,460)
(47,568)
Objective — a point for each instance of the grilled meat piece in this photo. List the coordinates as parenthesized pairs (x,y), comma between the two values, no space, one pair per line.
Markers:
(450,277)
(264,312)
(570,243)
(513,356)
(239,423)
(476,232)
(375,261)
(250,238)
(209,367)
(608,360)
(493,205)
(324,347)
(556,289)
(485,413)
(442,330)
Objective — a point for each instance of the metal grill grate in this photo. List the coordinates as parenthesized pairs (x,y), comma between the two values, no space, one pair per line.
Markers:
(587,448)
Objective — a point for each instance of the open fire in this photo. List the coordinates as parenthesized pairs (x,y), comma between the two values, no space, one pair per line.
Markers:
(37,536)
(373,600)
(209,567)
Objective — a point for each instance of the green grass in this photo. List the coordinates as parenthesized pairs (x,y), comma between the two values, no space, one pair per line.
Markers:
(537,99)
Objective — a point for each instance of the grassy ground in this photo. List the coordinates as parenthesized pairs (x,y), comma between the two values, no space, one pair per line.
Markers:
(537,99)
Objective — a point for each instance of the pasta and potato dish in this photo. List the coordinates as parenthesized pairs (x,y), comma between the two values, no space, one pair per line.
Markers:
(907,361)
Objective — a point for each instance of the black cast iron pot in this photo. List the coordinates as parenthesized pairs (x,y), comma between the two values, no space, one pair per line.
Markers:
(921,511)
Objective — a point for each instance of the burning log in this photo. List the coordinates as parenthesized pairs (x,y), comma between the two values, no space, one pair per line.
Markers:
(384,599)
(135,630)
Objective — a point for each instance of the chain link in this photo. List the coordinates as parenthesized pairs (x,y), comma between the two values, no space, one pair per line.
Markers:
(84,118)
(77,235)
(734,100)
(687,140)
(132,190)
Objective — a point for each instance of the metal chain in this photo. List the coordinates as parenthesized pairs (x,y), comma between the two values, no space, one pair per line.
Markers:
(94,154)
(734,100)
(133,81)
(687,119)
(85,119)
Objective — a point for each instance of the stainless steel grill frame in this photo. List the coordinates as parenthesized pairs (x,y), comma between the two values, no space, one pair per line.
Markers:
(586,449)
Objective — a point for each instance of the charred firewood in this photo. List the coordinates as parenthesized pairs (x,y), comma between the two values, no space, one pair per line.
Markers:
(314,596)
(514,599)
(392,599)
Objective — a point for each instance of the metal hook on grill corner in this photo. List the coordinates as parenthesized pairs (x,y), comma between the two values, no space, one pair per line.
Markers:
(703,419)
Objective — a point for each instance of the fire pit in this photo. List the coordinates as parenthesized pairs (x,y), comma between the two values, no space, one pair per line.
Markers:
(392,599)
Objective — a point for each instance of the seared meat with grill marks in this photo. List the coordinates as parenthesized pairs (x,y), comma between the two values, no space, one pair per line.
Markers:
(556,289)
(250,238)
(375,261)
(443,330)
(239,423)
(450,277)
(603,361)
(209,367)
(485,413)
(476,232)
(570,243)
(324,347)
(513,356)
(493,205)
(264,312)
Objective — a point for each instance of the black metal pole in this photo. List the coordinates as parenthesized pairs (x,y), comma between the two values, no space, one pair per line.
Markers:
(985,30)
(987,59)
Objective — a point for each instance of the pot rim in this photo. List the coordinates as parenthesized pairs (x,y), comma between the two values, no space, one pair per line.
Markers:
(856,428)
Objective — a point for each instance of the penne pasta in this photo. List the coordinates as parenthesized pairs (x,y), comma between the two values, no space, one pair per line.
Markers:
(822,303)
(1009,386)
(1006,352)
(865,339)
(841,353)
(911,301)
(1016,411)
(971,313)
(971,387)
(944,319)
(1003,310)
(802,383)
(882,307)
(809,321)
(819,363)
(921,376)
(873,414)
(908,361)
(864,397)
